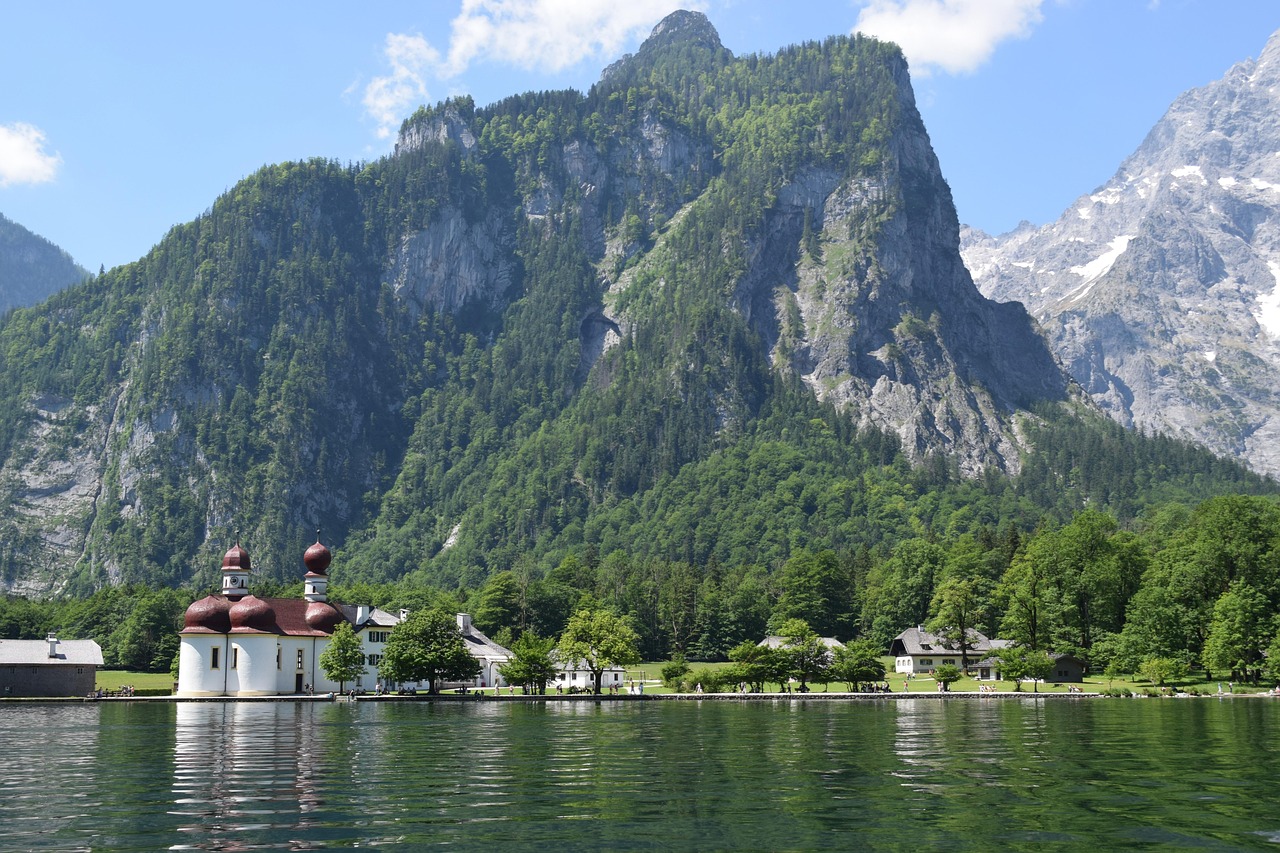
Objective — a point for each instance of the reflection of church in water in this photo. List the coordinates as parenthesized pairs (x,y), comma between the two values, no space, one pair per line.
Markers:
(247,775)
(236,644)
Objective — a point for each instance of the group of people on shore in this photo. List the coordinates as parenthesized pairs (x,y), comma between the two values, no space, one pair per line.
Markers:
(101,693)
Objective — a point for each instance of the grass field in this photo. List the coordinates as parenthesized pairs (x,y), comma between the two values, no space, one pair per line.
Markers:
(114,679)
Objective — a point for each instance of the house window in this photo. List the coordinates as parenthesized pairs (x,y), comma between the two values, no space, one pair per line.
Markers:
(374,659)
(299,658)
(949,660)
(235,657)
(926,661)
(1062,673)
(278,657)
(213,659)
(79,670)
(379,636)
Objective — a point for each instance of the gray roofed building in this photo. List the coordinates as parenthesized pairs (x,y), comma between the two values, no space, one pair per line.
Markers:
(49,667)
(364,616)
(773,641)
(916,650)
(487,653)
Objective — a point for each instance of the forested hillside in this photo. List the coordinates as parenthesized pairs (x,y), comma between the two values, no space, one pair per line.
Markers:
(32,268)
(710,312)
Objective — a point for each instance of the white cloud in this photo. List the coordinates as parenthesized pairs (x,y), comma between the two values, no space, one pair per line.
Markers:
(534,35)
(955,36)
(549,35)
(23,159)
(388,99)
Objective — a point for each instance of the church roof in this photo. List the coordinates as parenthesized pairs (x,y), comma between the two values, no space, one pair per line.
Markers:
(287,617)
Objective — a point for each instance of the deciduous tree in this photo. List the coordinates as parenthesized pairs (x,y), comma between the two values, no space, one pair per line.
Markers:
(531,665)
(428,647)
(598,640)
(857,662)
(343,658)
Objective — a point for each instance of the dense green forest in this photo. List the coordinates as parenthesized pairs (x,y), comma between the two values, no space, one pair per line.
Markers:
(1197,587)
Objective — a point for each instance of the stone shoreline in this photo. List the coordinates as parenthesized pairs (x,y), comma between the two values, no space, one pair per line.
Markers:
(577,697)
(646,697)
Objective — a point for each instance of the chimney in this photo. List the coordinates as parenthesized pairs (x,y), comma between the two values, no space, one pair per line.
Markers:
(404,614)
(464,623)
(362,614)
(53,644)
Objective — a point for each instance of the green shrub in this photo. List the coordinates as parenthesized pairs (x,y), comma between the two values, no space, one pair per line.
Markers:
(673,672)
(152,691)
(705,676)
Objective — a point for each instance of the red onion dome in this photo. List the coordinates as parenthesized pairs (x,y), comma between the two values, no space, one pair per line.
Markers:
(317,558)
(211,613)
(322,616)
(236,558)
(253,614)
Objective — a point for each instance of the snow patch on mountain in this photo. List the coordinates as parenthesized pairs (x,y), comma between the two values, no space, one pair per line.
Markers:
(1100,265)
(1268,313)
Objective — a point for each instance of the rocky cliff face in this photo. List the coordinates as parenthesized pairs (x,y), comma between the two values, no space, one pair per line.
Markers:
(1160,290)
(878,314)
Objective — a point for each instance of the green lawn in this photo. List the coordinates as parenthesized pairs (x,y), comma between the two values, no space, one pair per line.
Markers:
(114,679)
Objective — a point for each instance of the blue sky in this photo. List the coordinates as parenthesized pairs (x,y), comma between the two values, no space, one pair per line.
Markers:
(119,121)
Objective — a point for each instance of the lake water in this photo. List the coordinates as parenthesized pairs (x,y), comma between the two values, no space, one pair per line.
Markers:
(914,774)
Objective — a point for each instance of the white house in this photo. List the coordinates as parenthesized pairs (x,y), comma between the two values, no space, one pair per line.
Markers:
(917,651)
(773,641)
(577,675)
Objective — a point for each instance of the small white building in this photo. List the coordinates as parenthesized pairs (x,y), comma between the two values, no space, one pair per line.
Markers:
(577,675)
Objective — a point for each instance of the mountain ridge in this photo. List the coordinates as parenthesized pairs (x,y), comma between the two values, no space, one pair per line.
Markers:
(1156,289)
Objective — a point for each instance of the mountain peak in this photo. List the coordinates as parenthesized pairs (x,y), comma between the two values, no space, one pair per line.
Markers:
(1270,56)
(682,27)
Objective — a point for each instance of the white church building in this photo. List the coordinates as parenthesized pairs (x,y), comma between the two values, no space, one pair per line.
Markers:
(236,644)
